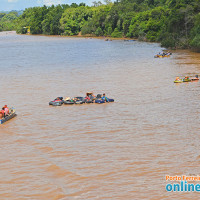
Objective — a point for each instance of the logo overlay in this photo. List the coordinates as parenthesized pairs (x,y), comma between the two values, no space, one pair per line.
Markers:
(185,183)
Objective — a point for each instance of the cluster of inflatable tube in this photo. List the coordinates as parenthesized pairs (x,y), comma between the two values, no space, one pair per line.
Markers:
(163,55)
(59,101)
(186,79)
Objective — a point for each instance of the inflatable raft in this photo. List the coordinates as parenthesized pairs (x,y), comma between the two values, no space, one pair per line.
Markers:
(56,102)
(68,102)
(178,81)
(99,101)
(7,118)
(186,80)
(102,101)
(196,78)
(79,100)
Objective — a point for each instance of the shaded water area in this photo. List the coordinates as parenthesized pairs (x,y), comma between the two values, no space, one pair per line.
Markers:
(120,150)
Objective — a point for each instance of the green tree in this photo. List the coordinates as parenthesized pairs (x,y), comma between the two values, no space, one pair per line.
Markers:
(116,33)
(99,32)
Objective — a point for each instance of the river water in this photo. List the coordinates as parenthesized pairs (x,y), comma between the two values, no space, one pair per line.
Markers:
(120,150)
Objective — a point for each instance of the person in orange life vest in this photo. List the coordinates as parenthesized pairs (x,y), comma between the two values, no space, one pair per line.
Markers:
(3,112)
(57,99)
(177,79)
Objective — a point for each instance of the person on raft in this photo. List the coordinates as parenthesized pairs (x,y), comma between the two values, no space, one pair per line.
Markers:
(4,112)
(186,78)
(92,97)
(104,98)
(6,109)
(177,79)
(87,98)
(58,99)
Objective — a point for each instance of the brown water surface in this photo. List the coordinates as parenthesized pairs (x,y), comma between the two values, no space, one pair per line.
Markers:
(120,150)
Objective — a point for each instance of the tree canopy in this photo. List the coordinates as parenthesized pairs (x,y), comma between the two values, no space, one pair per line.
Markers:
(174,23)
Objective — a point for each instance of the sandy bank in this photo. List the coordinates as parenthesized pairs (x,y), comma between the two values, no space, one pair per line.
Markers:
(85,36)
(8,32)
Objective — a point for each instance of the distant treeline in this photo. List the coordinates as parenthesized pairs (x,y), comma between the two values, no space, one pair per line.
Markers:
(174,23)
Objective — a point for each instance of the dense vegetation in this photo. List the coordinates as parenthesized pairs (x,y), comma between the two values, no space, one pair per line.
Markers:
(7,20)
(174,23)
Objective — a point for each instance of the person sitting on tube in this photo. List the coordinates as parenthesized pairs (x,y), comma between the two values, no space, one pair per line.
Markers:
(104,98)
(2,112)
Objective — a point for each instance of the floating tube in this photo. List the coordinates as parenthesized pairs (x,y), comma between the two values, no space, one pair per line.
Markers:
(111,100)
(186,80)
(68,102)
(7,118)
(194,79)
(51,102)
(89,101)
(99,101)
(178,81)
(55,103)
(58,99)
(79,102)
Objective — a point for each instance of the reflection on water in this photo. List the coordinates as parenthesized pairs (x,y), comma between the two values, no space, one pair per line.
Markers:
(120,150)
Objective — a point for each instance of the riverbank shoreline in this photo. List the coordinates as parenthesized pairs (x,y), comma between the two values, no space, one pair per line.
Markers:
(108,38)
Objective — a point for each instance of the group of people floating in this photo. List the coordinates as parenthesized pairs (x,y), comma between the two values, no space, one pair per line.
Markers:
(163,54)
(89,98)
(186,79)
(4,112)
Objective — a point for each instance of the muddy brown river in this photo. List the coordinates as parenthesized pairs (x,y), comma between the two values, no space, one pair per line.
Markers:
(118,151)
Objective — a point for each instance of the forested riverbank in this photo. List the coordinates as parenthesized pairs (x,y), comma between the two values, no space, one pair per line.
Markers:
(173,23)
(7,20)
